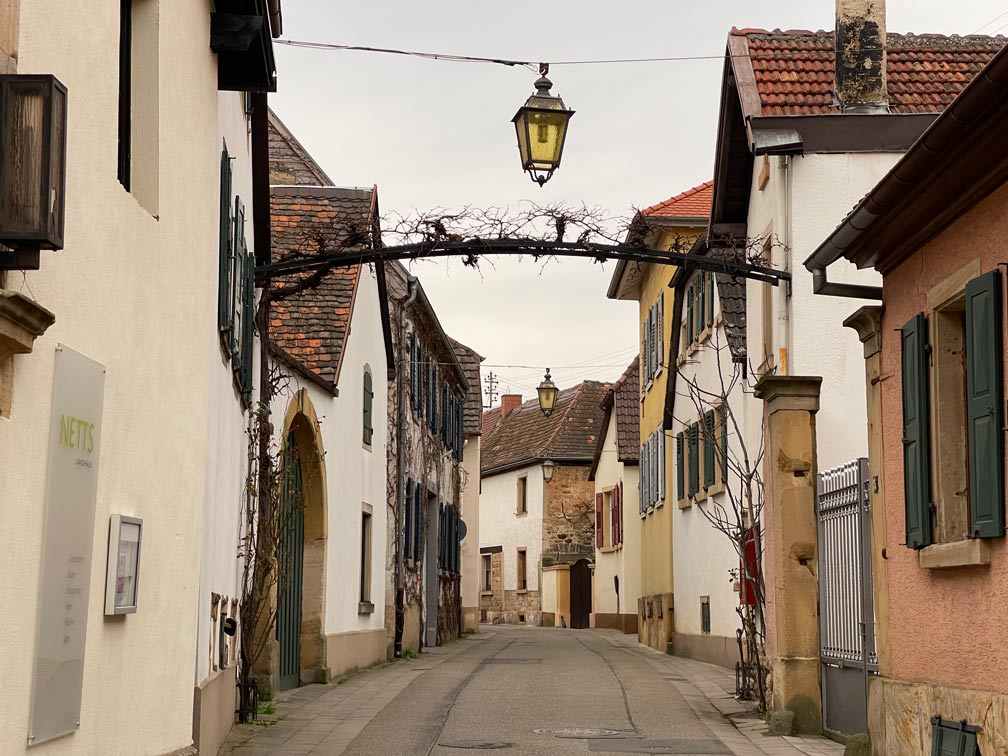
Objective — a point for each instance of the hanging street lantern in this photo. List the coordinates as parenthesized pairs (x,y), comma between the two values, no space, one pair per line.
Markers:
(548,392)
(547,468)
(541,124)
(33,118)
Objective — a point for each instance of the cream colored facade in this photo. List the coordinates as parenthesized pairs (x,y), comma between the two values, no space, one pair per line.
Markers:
(471,563)
(134,289)
(618,564)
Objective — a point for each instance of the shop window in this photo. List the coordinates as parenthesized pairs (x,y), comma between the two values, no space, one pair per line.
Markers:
(138,127)
(522,570)
(487,573)
(705,614)
(522,504)
(368,408)
(365,558)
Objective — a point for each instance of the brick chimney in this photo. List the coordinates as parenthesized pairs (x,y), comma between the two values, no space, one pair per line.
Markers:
(510,402)
(860,72)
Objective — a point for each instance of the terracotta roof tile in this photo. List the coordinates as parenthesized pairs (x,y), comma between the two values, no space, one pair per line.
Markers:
(490,419)
(310,327)
(626,402)
(570,434)
(693,203)
(794,69)
(472,412)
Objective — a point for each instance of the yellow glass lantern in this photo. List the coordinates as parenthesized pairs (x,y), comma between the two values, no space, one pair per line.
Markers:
(541,125)
(548,392)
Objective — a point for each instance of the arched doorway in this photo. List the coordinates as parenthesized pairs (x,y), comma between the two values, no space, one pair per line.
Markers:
(580,594)
(302,529)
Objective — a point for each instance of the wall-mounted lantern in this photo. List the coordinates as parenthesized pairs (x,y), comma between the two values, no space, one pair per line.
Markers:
(33,109)
(548,468)
(541,125)
(548,392)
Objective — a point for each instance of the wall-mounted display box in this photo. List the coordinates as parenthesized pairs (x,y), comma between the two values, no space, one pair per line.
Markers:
(123,565)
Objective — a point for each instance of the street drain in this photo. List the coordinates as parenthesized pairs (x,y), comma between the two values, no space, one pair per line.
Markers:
(580,732)
(476,745)
(642,746)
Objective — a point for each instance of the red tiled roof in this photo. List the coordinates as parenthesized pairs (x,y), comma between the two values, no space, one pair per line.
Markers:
(490,419)
(310,327)
(794,74)
(472,407)
(693,203)
(568,435)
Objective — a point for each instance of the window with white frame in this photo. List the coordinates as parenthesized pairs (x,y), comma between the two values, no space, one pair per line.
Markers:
(651,486)
(698,309)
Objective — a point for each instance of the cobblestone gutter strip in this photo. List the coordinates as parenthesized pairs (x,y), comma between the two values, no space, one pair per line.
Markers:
(337,713)
(709,691)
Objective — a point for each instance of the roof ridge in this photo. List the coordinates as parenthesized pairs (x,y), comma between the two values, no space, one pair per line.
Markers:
(778,32)
(681,196)
(579,389)
(299,149)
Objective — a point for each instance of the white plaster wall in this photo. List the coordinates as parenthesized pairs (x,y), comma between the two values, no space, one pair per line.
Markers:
(500,526)
(824,188)
(227,442)
(470,515)
(354,474)
(137,294)
(704,555)
(625,561)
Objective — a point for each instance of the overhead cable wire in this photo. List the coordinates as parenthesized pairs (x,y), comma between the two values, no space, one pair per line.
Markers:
(992,21)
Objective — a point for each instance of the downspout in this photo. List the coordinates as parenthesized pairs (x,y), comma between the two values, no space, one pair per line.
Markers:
(400,564)
(783,325)
(820,285)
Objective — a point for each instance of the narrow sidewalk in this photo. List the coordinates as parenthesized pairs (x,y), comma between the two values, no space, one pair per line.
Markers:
(710,692)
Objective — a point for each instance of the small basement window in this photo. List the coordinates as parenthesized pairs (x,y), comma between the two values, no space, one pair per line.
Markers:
(953,738)
(705,614)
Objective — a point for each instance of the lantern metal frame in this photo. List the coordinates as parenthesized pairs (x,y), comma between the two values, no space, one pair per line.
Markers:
(542,102)
(548,468)
(547,385)
(49,233)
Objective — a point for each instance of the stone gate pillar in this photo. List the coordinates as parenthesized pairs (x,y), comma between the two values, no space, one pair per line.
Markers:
(790,549)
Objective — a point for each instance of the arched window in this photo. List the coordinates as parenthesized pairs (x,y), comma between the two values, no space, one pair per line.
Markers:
(368,408)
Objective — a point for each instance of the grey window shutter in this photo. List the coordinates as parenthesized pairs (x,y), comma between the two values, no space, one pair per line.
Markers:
(689,316)
(708,449)
(701,310)
(984,391)
(660,341)
(408,521)
(368,406)
(916,438)
(661,465)
(710,299)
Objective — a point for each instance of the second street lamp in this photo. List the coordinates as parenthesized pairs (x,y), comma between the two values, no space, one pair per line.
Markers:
(547,391)
(541,125)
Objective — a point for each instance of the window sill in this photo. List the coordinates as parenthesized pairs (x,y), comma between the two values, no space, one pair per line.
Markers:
(972,552)
(521,591)
(685,503)
(365,607)
(521,514)
(366,446)
(486,593)
(608,549)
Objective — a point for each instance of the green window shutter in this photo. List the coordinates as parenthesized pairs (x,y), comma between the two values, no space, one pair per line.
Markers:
(689,316)
(700,308)
(984,391)
(224,257)
(680,470)
(724,443)
(660,328)
(248,323)
(710,299)
(694,459)
(708,449)
(237,280)
(418,494)
(368,407)
(916,438)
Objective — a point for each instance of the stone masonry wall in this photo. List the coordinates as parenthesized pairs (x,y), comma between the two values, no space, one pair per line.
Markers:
(568,516)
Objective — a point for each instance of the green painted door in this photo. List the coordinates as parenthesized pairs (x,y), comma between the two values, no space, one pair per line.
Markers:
(291,569)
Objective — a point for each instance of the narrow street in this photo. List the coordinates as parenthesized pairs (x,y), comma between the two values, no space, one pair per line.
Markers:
(522,690)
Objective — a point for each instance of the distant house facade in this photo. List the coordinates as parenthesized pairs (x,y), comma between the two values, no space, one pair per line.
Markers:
(934,350)
(616,584)
(472,423)
(672,224)
(326,342)
(537,535)
(426,432)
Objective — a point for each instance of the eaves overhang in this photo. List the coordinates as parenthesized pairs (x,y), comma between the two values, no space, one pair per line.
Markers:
(532,461)
(957,162)
(241,34)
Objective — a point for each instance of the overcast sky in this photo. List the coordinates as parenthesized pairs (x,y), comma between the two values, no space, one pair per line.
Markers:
(435,134)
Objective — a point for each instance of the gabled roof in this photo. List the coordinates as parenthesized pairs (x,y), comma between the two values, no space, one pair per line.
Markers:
(791,72)
(308,329)
(568,436)
(690,208)
(490,419)
(290,162)
(692,204)
(472,420)
(958,162)
(622,405)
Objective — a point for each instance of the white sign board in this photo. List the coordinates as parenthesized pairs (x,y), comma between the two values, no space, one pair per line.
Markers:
(67,544)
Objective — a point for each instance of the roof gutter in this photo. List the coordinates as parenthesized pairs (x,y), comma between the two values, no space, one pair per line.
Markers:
(940,139)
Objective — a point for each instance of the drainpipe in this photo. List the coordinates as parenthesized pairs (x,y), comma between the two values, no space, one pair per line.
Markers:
(400,564)
(820,285)
(783,324)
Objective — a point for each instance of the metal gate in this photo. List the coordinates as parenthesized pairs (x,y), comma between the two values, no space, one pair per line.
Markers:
(846,607)
(291,525)
(580,594)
